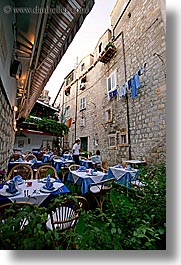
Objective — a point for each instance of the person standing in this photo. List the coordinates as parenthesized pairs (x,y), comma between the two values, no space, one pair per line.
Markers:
(75,151)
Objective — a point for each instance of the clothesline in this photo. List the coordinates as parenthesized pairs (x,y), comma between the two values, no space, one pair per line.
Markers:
(132,84)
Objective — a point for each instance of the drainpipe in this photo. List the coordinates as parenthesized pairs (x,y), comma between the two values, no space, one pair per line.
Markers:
(76,94)
(121,34)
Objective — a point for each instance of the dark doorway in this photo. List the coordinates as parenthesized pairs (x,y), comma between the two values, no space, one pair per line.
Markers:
(84,143)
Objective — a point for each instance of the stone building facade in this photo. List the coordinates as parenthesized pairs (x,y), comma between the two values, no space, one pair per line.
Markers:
(129,125)
(7,131)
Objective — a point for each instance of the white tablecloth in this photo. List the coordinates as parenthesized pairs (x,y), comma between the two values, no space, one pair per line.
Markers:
(33,197)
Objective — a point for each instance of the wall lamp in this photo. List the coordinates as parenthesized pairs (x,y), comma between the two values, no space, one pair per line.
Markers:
(15,108)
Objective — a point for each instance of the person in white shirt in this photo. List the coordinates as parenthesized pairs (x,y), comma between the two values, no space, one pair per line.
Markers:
(96,159)
(75,151)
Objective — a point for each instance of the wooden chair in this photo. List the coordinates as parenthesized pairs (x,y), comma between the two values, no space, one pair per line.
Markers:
(101,190)
(65,216)
(25,171)
(73,167)
(9,211)
(30,157)
(15,157)
(44,171)
(83,158)
(104,166)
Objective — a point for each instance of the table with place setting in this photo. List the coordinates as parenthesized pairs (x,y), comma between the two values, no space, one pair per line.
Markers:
(58,163)
(86,163)
(123,175)
(84,177)
(32,163)
(34,191)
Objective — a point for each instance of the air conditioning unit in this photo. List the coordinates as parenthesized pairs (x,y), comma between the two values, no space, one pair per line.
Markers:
(82,86)
(82,122)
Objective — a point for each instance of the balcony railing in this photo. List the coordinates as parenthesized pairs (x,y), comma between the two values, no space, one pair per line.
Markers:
(108,53)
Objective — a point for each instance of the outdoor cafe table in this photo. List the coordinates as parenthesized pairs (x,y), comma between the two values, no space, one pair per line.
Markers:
(35,194)
(122,175)
(86,163)
(33,164)
(135,162)
(83,179)
(58,163)
(46,157)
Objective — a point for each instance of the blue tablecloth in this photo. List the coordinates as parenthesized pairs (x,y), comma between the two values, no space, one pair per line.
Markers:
(59,163)
(34,165)
(86,163)
(84,180)
(46,157)
(45,200)
(67,156)
(122,175)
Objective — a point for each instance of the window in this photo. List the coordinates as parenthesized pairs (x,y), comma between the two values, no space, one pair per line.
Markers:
(108,115)
(123,137)
(82,103)
(67,91)
(82,67)
(100,47)
(112,141)
(111,82)
(82,122)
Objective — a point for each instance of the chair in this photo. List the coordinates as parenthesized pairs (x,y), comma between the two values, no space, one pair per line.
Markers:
(101,190)
(45,170)
(30,157)
(15,157)
(104,166)
(9,211)
(83,158)
(73,167)
(65,216)
(64,172)
(25,171)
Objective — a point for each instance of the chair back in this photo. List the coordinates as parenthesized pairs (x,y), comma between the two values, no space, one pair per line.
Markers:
(104,166)
(101,186)
(73,167)
(83,158)
(30,157)
(44,171)
(25,171)
(66,215)
(9,211)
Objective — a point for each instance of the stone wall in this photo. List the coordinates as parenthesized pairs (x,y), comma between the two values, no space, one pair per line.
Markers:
(139,36)
(7,132)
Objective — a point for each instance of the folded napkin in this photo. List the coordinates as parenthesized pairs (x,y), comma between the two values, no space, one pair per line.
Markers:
(118,166)
(11,187)
(82,168)
(20,159)
(48,177)
(18,178)
(34,160)
(91,172)
(49,185)
(129,167)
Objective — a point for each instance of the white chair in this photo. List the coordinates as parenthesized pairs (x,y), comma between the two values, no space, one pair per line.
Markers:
(101,190)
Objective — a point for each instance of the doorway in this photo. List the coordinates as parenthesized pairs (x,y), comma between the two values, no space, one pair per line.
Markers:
(84,143)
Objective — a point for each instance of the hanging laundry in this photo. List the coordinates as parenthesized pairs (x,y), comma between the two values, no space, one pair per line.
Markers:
(123,90)
(142,70)
(133,87)
(115,92)
(110,95)
(129,83)
(137,80)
